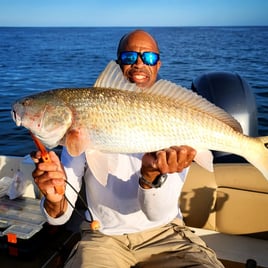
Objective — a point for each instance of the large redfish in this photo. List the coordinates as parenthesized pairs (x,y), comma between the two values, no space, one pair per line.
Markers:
(114,116)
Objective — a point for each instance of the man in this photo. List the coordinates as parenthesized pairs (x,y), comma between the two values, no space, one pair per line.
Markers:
(140,221)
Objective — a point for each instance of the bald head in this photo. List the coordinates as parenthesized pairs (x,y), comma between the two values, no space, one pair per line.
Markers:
(137,39)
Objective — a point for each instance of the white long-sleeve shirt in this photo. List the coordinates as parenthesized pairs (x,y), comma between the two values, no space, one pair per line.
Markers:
(122,206)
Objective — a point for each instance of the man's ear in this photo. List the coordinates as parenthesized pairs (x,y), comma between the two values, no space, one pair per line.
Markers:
(159,63)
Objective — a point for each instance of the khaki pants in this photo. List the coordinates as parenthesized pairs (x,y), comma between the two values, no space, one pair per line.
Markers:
(172,245)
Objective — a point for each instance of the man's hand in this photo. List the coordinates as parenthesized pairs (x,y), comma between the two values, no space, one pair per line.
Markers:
(170,160)
(47,176)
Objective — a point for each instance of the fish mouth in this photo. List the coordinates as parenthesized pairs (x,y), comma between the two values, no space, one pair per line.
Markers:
(16,118)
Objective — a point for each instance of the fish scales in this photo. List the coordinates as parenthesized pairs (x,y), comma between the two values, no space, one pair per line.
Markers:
(128,122)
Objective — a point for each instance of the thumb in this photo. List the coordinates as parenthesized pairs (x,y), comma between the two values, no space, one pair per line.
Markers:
(149,160)
(55,159)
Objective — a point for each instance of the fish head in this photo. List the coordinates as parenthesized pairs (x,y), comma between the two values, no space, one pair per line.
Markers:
(46,116)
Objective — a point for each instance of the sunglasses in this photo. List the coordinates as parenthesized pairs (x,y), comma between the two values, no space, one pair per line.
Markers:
(131,57)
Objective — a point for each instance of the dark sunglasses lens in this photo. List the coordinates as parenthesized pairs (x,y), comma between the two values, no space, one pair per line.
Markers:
(150,58)
(128,57)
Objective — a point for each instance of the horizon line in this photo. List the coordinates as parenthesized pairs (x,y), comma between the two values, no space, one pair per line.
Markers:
(120,26)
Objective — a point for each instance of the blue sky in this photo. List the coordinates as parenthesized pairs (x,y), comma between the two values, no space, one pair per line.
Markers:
(133,13)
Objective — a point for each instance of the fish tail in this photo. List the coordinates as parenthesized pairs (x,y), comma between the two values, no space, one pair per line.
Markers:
(260,157)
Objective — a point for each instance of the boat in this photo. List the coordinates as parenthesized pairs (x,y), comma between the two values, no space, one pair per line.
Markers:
(228,208)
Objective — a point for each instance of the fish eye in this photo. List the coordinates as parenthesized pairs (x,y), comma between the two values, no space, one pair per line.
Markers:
(26,102)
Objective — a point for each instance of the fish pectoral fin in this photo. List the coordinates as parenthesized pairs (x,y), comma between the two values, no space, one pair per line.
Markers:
(98,163)
(204,158)
(76,141)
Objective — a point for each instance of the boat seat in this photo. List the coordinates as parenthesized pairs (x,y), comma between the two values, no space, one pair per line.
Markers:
(233,199)
(228,209)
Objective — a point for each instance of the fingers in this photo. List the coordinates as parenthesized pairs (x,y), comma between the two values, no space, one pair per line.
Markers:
(174,159)
(53,165)
(54,158)
(167,161)
(36,156)
(49,176)
(170,160)
(49,184)
(185,156)
(46,181)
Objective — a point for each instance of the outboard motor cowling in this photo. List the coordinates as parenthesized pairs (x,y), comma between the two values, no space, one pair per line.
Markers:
(233,94)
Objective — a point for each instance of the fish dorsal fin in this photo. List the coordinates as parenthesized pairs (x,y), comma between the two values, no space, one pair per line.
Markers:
(112,77)
(188,98)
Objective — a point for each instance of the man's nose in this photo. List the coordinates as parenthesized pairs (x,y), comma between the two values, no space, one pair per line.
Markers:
(139,60)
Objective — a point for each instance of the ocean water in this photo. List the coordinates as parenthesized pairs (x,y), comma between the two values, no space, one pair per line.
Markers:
(37,59)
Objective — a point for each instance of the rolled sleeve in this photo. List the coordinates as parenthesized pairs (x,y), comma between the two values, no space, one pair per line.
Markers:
(56,221)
